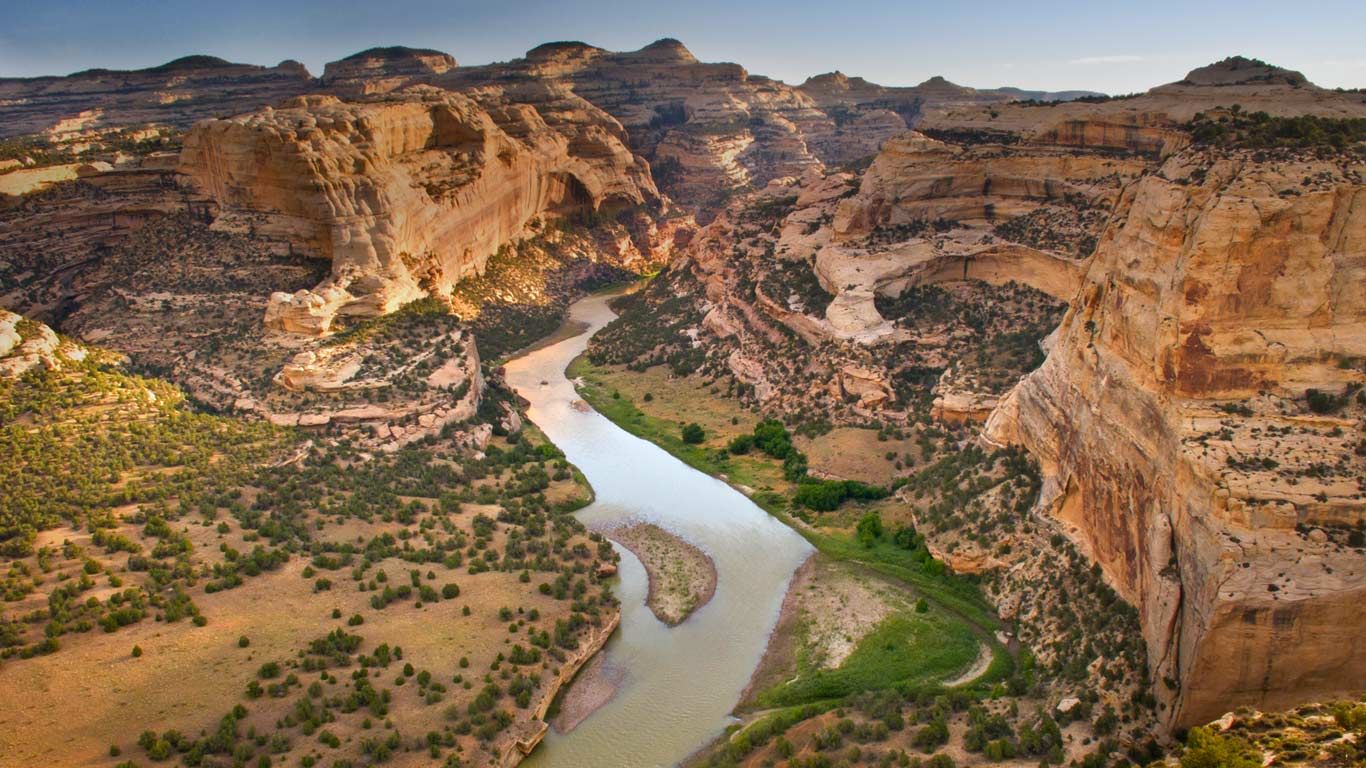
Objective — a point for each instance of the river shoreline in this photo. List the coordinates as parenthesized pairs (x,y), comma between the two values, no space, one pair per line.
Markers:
(654,693)
(522,746)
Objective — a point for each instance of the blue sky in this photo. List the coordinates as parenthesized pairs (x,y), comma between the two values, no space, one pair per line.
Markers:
(1113,47)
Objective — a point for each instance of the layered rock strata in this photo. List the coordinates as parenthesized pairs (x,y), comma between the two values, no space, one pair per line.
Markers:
(1173,429)
(176,93)
(407,195)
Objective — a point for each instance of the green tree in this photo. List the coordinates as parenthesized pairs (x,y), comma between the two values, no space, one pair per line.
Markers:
(870,529)
(693,434)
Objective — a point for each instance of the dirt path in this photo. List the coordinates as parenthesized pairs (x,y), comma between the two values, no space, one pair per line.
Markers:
(682,577)
(978,668)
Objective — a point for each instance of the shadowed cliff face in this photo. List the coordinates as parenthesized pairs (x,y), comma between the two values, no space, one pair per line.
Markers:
(1171,424)
(405,195)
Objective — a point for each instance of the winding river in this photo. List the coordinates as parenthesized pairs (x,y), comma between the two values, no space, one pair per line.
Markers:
(679,683)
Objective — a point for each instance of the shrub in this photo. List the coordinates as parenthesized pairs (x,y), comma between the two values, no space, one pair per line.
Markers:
(827,495)
(1324,402)
(932,735)
(1207,749)
(870,529)
(741,444)
(693,434)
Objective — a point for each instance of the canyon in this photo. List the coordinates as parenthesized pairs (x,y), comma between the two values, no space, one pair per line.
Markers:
(1156,301)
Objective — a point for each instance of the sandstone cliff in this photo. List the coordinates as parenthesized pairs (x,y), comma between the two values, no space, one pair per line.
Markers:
(408,194)
(1171,423)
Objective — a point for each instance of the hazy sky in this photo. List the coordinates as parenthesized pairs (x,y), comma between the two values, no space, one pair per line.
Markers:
(1113,47)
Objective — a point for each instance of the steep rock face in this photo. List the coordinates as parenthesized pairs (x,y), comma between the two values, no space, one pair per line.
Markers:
(915,178)
(176,93)
(1143,134)
(1221,278)
(930,212)
(711,129)
(408,194)
(707,127)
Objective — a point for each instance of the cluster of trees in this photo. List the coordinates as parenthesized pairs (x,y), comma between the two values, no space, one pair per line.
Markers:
(105,439)
(1259,130)
(771,437)
(1323,402)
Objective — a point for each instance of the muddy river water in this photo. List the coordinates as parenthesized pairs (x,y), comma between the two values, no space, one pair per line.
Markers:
(679,683)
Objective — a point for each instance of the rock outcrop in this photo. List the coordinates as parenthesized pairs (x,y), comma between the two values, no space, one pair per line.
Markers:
(25,345)
(1171,425)
(1240,70)
(408,194)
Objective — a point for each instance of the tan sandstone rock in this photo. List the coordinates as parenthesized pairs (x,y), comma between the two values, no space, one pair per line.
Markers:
(1239,284)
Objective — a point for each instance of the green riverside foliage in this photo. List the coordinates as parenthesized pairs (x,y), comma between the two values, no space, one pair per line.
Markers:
(903,556)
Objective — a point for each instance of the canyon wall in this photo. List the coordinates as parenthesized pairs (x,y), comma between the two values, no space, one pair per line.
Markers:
(1171,425)
(408,194)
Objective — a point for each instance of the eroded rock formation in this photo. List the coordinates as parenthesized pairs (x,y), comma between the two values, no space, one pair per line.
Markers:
(380,70)
(1173,431)
(409,194)
(26,344)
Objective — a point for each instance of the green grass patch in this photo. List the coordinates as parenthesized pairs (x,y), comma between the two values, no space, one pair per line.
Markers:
(622,412)
(905,649)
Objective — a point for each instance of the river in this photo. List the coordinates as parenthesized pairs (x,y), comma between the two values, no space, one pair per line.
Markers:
(680,683)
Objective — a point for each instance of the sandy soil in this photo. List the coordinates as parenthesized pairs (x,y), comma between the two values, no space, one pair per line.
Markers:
(853,453)
(682,577)
(69,707)
(66,709)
